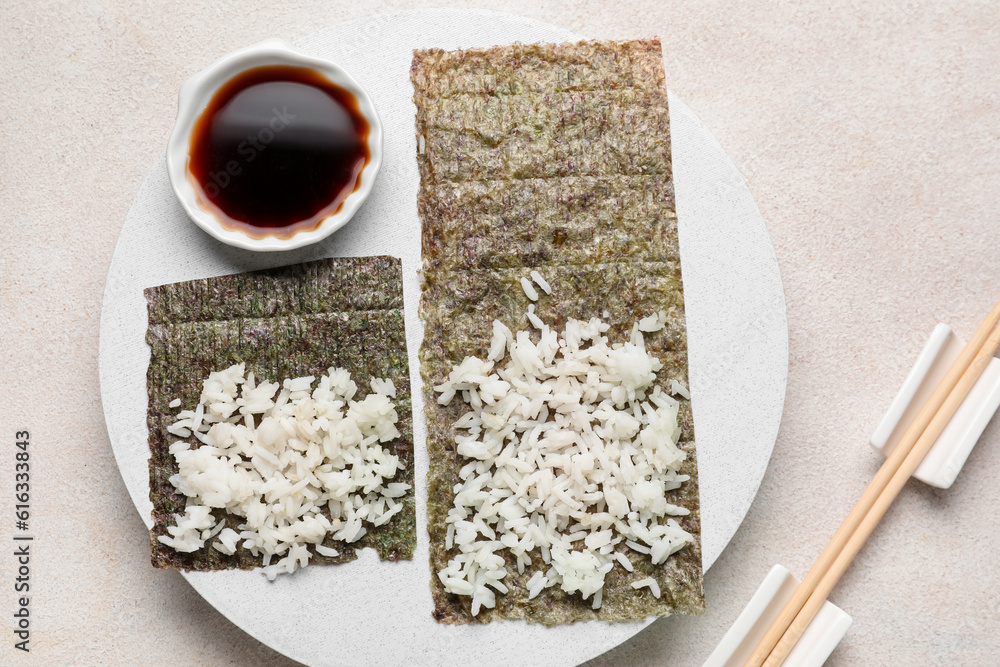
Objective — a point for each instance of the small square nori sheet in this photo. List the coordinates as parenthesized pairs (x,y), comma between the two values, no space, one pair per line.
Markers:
(554,157)
(287,322)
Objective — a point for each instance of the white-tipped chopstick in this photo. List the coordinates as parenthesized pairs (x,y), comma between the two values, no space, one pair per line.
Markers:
(881,491)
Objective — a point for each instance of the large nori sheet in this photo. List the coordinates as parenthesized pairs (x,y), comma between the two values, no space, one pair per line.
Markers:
(287,322)
(555,158)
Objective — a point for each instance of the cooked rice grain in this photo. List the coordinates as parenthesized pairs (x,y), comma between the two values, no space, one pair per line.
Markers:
(296,464)
(570,449)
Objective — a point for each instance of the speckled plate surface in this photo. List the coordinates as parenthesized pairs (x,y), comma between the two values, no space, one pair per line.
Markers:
(368,612)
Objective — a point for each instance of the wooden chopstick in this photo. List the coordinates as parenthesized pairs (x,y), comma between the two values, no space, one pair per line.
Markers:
(884,500)
(875,488)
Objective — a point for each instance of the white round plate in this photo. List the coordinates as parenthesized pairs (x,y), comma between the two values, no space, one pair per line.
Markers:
(369,612)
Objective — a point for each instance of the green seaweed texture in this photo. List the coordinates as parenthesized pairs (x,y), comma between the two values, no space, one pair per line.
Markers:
(552,157)
(287,322)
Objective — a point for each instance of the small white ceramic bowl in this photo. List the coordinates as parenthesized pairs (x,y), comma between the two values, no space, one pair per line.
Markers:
(194,97)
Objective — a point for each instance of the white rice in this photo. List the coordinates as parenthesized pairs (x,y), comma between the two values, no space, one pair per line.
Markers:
(298,463)
(326,551)
(537,277)
(679,389)
(535,320)
(625,562)
(649,583)
(653,322)
(570,450)
(529,289)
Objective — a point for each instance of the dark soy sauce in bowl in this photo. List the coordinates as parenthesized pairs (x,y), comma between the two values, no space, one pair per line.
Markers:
(278,149)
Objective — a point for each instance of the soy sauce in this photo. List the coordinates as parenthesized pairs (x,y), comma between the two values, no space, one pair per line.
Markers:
(277,150)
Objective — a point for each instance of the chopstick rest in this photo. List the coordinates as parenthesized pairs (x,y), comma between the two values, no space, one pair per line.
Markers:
(939,467)
(947,456)
(813,648)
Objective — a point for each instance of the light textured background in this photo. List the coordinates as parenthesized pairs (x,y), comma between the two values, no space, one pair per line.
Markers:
(869,137)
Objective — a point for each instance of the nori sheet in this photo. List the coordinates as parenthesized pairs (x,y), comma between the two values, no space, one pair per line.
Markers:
(555,158)
(286,322)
